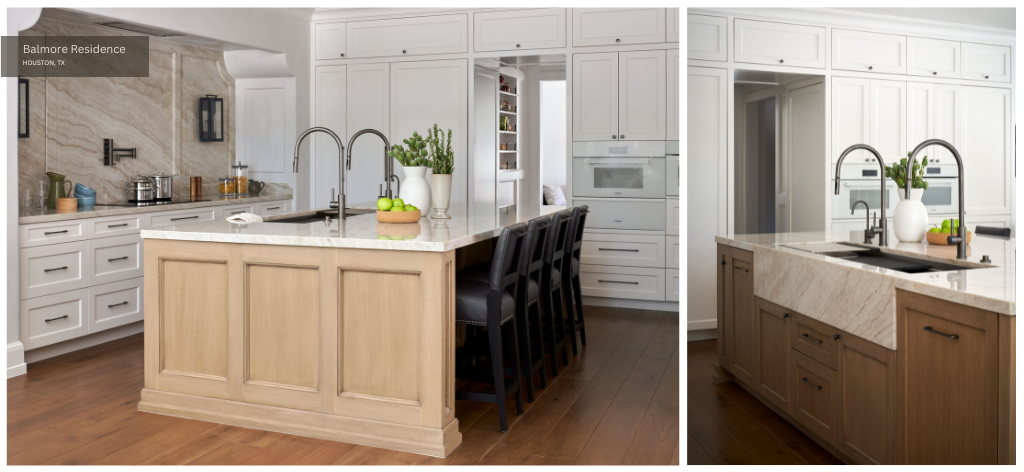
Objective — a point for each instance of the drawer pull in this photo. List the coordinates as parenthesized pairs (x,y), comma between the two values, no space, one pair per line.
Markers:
(117,259)
(816,387)
(785,315)
(117,226)
(55,319)
(54,232)
(614,249)
(805,336)
(117,304)
(274,208)
(237,212)
(185,218)
(55,268)
(618,282)
(740,269)
(950,336)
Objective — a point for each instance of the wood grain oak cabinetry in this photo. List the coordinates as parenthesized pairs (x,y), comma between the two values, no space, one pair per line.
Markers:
(773,340)
(866,386)
(740,305)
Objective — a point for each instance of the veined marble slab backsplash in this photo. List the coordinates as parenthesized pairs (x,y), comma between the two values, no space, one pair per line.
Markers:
(70,117)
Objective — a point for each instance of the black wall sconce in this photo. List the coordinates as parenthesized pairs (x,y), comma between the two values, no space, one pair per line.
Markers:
(211,119)
(22,107)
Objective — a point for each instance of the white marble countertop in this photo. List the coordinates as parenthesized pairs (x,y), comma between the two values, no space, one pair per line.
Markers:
(359,231)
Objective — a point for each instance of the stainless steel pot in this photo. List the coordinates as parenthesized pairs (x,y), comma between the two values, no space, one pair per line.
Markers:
(141,189)
(164,185)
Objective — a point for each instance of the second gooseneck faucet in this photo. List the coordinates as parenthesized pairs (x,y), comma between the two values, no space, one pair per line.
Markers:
(339,203)
(883,238)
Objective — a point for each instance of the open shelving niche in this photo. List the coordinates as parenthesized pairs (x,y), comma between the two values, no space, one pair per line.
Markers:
(509,171)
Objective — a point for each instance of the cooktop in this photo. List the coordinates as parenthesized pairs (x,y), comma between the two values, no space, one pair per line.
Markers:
(174,201)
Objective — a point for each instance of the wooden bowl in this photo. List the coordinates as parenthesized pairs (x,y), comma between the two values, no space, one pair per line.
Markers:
(939,239)
(67,203)
(398,217)
(400,230)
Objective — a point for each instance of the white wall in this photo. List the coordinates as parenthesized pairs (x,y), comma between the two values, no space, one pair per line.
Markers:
(552,134)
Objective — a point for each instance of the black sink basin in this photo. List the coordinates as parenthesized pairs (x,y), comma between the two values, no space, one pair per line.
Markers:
(877,258)
(320,216)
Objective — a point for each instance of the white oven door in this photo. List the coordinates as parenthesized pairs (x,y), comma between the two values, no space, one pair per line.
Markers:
(941,197)
(636,177)
(868,190)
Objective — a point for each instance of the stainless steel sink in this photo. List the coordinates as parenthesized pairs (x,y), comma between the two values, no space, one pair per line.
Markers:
(320,216)
(875,257)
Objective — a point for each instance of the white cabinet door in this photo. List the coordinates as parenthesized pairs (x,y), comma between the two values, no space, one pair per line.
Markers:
(920,116)
(330,40)
(706,37)
(707,92)
(179,217)
(369,107)
(595,96)
(628,250)
(889,119)
(933,58)
(229,211)
(948,119)
(54,318)
(851,117)
(519,29)
(274,208)
(443,34)
(672,25)
(115,304)
(987,150)
(428,92)
(329,112)
(985,62)
(673,216)
(637,283)
(113,225)
(114,259)
(762,42)
(672,285)
(42,234)
(672,131)
(610,26)
(869,52)
(52,269)
(642,96)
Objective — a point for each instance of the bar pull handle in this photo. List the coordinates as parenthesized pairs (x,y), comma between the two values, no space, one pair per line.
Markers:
(117,259)
(185,218)
(54,232)
(117,304)
(274,208)
(950,336)
(618,282)
(614,249)
(117,226)
(55,268)
(816,387)
(57,318)
(805,336)
(237,212)
(740,269)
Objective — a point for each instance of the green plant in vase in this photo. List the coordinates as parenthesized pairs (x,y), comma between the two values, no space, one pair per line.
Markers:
(444,165)
(413,156)
(898,173)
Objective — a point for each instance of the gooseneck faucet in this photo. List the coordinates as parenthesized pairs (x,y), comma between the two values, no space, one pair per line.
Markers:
(388,164)
(958,235)
(868,233)
(883,239)
(340,202)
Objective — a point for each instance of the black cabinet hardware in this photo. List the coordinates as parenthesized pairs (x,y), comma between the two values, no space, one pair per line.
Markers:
(740,269)
(950,336)
(117,226)
(785,315)
(57,318)
(117,259)
(805,336)
(117,304)
(835,337)
(816,387)
(614,249)
(54,232)
(618,282)
(55,268)
(274,208)
(185,218)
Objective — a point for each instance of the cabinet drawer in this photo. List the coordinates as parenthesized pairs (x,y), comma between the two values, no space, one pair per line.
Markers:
(227,212)
(54,318)
(273,208)
(622,282)
(869,52)
(933,58)
(672,250)
(624,213)
(985,62)
(41,234)
(706,37)
(762,42)
(115,304)
(51,269)
(623,250)
(171,218)
(672,218)
(114,226)
(611,26)
(114,259)
(815,396)
(672,285)
(815,339)
(445,34)
(521,29)
(330,40)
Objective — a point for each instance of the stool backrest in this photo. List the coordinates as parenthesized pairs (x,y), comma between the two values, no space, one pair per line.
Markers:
(505,262)
(579,219)
(554,249)
(532,259)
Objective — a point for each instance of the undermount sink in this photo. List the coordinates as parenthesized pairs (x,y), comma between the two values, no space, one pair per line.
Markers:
(875,257)
(321,215)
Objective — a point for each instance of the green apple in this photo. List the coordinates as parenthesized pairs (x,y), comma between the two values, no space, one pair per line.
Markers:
(385,237)
(398,238)
(410,208)
(398,202)
(397,208)
(934,230)
(384,204)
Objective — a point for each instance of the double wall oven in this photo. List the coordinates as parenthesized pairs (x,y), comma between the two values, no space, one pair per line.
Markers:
(623,183)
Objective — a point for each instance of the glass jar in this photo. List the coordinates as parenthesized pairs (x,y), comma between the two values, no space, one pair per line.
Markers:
(227,187)
(241,175)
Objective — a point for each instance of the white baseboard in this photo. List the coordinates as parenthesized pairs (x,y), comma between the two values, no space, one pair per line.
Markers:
(628,303)
(16,360)
(77,344)
(701,335)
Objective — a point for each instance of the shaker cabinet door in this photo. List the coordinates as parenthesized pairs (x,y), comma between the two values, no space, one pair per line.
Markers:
(330,40)
(642,96)
(744,318)
(851,117)
(617,26)
(762,42)
(706,37)
(869,52)
(519,29)
(933,58)
(595,96)
(888,134)
(985,62)
(987,150)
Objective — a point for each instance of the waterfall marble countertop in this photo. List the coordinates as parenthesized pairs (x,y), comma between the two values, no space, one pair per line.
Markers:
(359,231)
(860,298)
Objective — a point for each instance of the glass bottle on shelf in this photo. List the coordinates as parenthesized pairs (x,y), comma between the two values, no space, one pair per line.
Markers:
(241,175)
(227,186)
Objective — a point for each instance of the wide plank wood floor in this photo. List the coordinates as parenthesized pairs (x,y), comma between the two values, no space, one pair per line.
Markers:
(616,403)
(726,425)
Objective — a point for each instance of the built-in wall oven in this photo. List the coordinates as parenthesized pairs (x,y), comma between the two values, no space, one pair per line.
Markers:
(618,169)
(860,182)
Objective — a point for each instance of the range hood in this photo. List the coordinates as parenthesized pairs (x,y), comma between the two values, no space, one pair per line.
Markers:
(147,30)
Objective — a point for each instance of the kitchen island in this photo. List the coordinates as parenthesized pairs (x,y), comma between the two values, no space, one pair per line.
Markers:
(893,355)
(341,330)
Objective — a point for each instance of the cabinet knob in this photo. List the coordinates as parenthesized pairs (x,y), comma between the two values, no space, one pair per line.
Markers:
(986,76)
(342,54)
(613,136)
(622,136)
(835,337)
(517,45)
(871,67)
(780,61)
(784,315)
(618,40)
(403,51)
(935,73)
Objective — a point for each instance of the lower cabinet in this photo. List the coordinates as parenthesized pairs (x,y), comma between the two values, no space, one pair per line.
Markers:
(815,402)
(773,352)
(740,304)
(867,400)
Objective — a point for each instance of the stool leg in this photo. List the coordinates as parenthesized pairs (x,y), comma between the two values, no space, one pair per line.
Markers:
(578,293)
(571,311)
(521,323)
(517,368)
(561,323)
(498,366)
(535,311)
(549,311)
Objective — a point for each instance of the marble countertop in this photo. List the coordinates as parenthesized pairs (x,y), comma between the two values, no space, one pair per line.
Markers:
(46,215)
(359,231)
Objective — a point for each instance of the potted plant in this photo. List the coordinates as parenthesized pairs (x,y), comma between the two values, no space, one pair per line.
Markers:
(910,220)
(897,172)
(444,164)
(413,158)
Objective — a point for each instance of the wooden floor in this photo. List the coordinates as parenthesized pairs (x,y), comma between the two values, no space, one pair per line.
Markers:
(617,403)
(727,425)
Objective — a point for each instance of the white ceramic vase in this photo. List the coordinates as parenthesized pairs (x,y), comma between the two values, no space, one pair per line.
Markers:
(441,186)
(416,190)
(910,220)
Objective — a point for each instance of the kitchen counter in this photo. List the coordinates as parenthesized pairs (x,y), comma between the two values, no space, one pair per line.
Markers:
(860,298)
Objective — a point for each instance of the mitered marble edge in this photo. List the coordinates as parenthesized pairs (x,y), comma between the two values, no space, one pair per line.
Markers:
(119,210)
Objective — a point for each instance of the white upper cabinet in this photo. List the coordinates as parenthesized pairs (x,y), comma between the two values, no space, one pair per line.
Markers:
(595,96)
(948,119)
(611,26)
(889,119)
(920,115)
(869,52)
(519,29)
(987,150)
(445,34)
(368,101)
(933,58)
(642,96)
(985,62)
(672,25)
(329,112)
(330,40)
(706,37)
(672,131)
(851,117)
(762,42)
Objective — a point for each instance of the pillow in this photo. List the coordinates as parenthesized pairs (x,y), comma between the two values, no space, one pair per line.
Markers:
(553,195)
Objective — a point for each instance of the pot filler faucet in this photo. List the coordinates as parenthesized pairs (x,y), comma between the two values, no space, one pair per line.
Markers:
(959,237)
(883,239)
(339,203)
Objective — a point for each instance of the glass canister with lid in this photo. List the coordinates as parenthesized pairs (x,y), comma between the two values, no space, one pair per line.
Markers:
(241,175)
(226,186)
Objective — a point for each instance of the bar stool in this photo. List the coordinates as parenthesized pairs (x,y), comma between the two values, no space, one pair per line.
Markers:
(493,304)
(551,286)
(571,276)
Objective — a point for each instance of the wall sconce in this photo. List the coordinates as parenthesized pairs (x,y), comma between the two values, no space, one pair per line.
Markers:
(22,107)
(211,119)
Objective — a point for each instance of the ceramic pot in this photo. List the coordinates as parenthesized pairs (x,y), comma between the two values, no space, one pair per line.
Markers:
(910,220)
(441,187)
(415,189)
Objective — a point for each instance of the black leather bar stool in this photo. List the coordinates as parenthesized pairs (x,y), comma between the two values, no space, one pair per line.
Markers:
(551,286)
(493,304)
(571,276)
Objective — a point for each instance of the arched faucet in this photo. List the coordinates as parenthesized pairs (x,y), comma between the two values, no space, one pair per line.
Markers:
(958,235)
(868,234)
(340,202)
(883,239)
(388,164)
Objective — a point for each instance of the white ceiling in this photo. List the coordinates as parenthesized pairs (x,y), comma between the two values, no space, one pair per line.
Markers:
(1000,18)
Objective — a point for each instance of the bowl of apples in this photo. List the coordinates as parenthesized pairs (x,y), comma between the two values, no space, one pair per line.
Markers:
(937,235)
(396,211)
